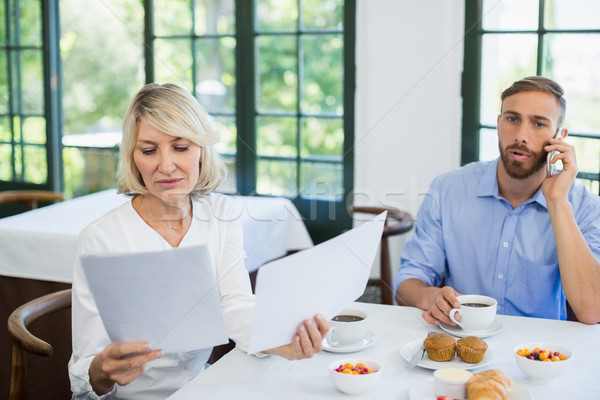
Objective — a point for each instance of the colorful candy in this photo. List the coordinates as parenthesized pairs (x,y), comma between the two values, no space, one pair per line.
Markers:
(358,369)
(541,355)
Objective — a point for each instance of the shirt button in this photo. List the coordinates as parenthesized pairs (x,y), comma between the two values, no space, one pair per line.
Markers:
(500,276)
(187,367)
(505,244)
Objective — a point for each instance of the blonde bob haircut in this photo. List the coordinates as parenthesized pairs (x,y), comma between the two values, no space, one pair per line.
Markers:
(174,111)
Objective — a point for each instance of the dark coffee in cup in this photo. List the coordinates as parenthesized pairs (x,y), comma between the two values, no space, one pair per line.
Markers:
(347,318)
(475,304)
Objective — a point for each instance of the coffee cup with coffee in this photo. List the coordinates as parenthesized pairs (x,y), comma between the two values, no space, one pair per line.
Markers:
(348,328)
(477,312)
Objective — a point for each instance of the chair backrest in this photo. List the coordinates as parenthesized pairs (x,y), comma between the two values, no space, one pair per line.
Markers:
(24,341)
(397,222)
(31,197)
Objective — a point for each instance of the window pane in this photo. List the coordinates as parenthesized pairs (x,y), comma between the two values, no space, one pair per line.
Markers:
(227,131)
(4,131)
(5,165)
(322,14)
(322,86)
(488,144)
(35,164)
(588,153)
(32,81)
(215,17)
(2,24)
(277,15)
(102,63)
(215,62)
(172,17)
(90,170)
(572,14)
(173,62)
(510,15)
(74,165)
(321,180)
(34,130)
(4,95)
(30,23)
(505,59)
(276,136)
(277,178)
(572,60)
(278,79)
(322,136)
(229,185)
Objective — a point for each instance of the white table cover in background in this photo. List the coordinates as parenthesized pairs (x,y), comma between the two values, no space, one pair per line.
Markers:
(238,376)
(42,244)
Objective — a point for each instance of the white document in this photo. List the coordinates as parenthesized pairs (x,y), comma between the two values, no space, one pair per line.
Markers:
(167,298)
(323,279)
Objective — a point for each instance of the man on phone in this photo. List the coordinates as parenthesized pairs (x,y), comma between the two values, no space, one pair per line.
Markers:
(506,230)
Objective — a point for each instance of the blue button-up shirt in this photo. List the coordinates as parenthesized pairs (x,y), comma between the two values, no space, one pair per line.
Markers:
(472,236)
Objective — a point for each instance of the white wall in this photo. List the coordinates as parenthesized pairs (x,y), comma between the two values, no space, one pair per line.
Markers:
(409,59)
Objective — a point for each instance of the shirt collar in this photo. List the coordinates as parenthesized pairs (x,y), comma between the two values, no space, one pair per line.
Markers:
(488,186)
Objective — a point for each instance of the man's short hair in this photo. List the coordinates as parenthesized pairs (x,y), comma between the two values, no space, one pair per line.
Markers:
(539,84)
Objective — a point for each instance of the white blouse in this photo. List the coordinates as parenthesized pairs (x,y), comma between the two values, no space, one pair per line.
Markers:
(122,230)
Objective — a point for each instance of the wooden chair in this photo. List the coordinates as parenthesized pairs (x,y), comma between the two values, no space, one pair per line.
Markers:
(31,197)
(397,222)
(24,341)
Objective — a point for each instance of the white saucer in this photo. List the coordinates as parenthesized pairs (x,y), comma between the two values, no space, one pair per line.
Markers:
(424,391)
(409,349)
(495,328)
(366,342)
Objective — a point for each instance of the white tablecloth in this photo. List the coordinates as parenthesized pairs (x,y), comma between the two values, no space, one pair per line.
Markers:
(238,376)
(42,244)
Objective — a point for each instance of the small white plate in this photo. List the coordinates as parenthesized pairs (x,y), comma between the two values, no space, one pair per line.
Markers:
(424,391)
(410,348)
(366,342)
(495,328)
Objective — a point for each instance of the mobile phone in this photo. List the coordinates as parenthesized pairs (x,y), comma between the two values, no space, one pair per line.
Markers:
(551,168)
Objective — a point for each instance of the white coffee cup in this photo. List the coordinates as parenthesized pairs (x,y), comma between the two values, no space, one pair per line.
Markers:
(348,328)
(477,312)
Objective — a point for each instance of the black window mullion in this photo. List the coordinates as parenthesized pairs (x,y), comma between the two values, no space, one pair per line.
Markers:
(245,96)
(52,90)
(540,38)
(299,116)
(149,40)
(471,82)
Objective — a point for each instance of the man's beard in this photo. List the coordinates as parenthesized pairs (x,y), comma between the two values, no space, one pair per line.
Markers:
(521,170)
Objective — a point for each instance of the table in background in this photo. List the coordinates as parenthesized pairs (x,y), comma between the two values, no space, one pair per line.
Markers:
(38,250)
(42,244)
(238,375)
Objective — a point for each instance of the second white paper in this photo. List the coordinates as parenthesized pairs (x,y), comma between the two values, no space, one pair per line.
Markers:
(323,279)
(167,298)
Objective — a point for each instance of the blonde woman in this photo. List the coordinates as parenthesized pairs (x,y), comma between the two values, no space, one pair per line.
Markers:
(169,167)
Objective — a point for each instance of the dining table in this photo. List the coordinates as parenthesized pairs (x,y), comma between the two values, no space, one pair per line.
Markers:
(396,332)
(42,243)
(37,257)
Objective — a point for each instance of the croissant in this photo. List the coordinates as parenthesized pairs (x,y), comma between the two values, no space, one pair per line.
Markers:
(492,384)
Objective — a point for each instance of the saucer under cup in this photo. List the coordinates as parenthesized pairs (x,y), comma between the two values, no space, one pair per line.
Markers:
(348,328)
(477,313)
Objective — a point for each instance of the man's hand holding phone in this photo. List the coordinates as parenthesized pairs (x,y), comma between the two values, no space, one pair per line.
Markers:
(557,185)
(551,166)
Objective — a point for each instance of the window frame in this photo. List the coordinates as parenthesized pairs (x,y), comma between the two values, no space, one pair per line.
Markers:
(324,218)
(51,97)
(471,78)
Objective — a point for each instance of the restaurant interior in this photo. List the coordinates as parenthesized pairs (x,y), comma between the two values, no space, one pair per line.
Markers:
(329,112)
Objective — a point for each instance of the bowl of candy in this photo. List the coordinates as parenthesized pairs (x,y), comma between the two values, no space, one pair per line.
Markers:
(355,376)
(542,362)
